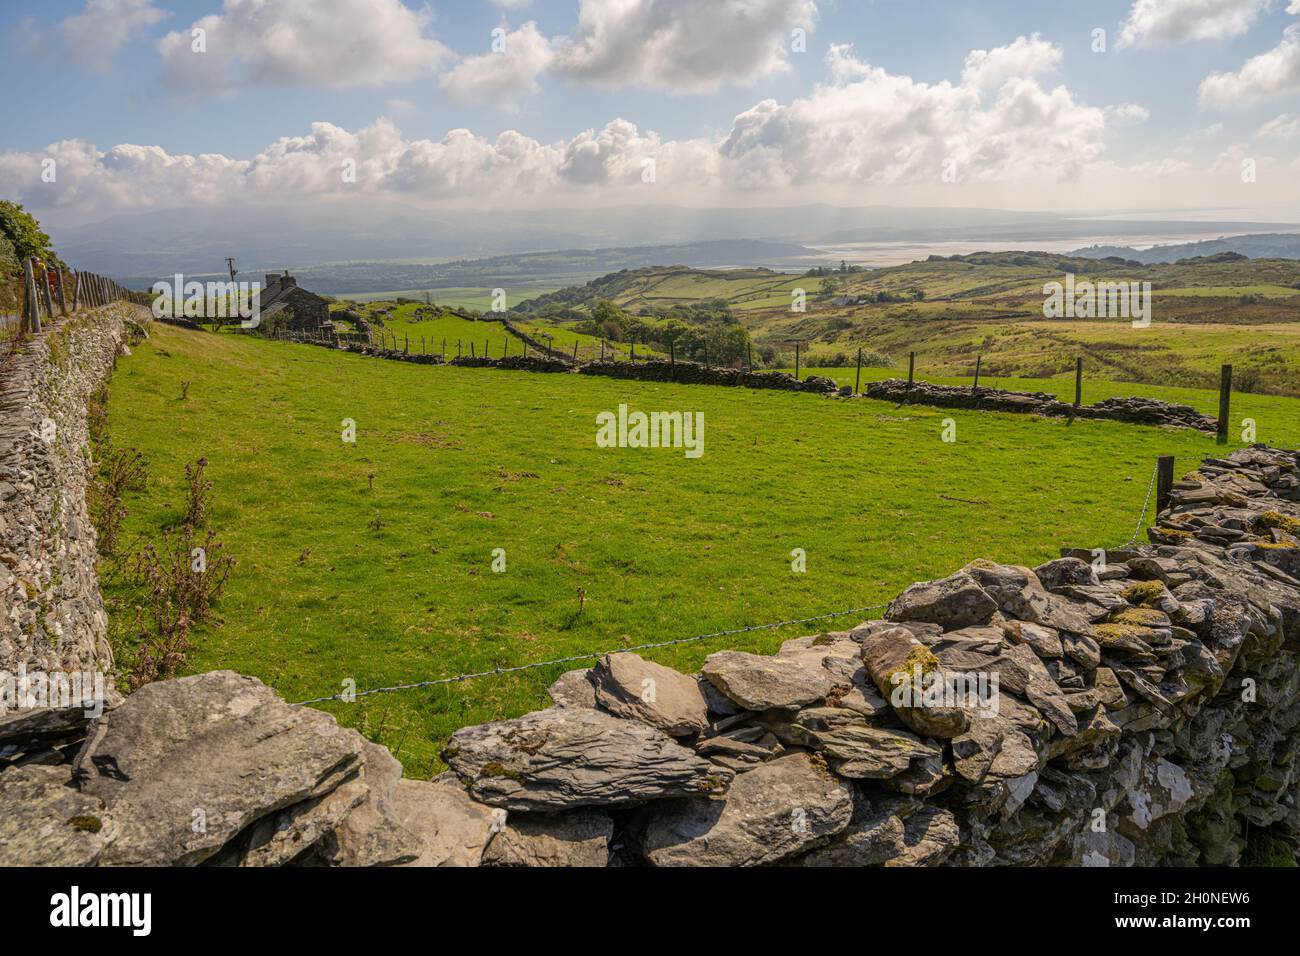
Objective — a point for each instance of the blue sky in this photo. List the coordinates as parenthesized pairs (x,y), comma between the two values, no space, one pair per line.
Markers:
(1140,108)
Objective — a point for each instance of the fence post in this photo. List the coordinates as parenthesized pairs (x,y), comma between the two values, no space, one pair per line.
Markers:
(406,343)
(672,359)
(63,298)
(45,291)
(976,386)
(706,356)
(458,348)
(1225,402)
(1078,382)
(471,349)
(633,352)
(1164,481)
(796,361)
(857,382)
(911,369)
(33,306)
(76,291)
(444,349)
(749,357)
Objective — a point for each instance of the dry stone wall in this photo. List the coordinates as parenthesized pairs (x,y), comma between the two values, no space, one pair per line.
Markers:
(51,613)
(1120,707)
(1139,411)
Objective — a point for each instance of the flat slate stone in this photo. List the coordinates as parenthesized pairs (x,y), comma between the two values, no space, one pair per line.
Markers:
(629,686)
(219,748)
(569,757)
(773,812)
(762,683)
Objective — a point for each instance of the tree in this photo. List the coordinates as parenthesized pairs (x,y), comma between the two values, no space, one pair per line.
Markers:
(23,232)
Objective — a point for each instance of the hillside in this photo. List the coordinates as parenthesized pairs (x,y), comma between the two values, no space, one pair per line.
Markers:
(1272,245)
(951,309)
(641,291)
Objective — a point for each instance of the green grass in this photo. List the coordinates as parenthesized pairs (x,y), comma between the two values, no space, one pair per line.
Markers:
(1277,419)
(388,579)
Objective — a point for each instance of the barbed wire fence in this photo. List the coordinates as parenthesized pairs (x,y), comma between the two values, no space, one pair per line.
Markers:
(350,696)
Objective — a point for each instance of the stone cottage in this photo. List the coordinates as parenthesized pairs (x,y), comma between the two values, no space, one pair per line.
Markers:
(286,305)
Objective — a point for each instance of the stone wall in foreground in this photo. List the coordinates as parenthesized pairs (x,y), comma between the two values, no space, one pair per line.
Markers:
(1147,711)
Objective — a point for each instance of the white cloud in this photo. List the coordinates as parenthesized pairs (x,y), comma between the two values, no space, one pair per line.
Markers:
(1032,56)
(1153,22)
(682,45)
(862,127)
(870,126)
(461,165)
(326,43)
(103,26)
(501,78)
(1286,126)
(1273,73)
(1127,114)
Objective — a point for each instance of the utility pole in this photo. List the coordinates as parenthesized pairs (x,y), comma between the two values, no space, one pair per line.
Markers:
(230,264)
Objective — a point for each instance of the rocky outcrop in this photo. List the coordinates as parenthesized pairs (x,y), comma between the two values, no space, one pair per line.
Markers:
(1139,411)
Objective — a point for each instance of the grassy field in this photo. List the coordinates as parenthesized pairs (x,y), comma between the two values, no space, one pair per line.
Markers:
(404,322)
(373,561)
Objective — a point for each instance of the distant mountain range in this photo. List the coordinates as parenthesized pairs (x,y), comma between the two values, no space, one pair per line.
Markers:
(346,234)
(528,269)
(1266,245)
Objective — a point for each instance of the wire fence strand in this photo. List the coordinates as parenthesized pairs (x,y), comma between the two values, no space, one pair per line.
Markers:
(533,665)
(589,655)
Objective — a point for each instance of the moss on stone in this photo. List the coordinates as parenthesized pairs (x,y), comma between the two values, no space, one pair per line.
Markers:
(1275,519)
(1139,617)
(919,656)
(87,823)
(1143,592)
(494,769)
(1109,635)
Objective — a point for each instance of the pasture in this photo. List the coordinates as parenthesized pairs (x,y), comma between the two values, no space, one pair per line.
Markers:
(373,561)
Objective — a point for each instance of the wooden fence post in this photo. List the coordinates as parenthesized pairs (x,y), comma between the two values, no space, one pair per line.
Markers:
(575,350)
(976,386)
(911,369)
(1078,382)
(749,356)
(45,291)
(796,361)
(857,382)
(63,298)
(1225,402)
(33,323)
(76,291)
(1164,481)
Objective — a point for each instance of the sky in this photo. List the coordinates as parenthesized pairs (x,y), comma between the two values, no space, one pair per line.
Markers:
(1079,106)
